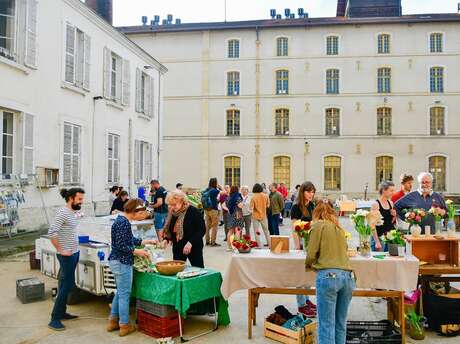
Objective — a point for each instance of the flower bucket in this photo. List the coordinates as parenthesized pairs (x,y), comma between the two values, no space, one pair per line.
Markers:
(365,245)
(393,249)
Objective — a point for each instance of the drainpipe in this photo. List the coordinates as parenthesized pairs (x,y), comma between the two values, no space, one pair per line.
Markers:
(130,154)
(159,127)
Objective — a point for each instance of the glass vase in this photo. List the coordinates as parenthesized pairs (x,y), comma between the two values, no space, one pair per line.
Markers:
(415,230)
(451,228)
(305,244)
(365,245)
(438,227)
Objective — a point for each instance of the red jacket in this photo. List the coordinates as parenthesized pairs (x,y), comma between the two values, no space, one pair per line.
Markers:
(397,196)
(283,191)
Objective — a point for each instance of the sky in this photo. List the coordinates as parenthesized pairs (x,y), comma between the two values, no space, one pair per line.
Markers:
(129,12)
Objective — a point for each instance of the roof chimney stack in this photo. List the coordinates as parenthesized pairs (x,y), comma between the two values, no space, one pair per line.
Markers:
(102,7)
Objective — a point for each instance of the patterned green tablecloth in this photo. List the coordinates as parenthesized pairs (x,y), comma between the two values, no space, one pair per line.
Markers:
(181,293)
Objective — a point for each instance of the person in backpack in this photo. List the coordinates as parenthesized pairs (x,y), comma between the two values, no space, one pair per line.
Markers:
(211,210)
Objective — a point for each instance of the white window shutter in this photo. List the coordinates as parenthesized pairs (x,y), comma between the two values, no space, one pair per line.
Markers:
(137,167)
(70,54)
(138,89)
(147,98)
(110,138)
(28,144)
(126,83)
(79,58)
(116,159)
(151,97)
(87,62)
(107,74)
(119,76)
(76,155)
(31,34)
(148,161)
(67,159)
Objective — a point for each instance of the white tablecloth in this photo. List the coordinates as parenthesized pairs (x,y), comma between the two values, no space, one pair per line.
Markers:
(261,268)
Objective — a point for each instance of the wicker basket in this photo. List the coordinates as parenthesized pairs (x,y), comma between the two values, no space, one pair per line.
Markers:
(171,267)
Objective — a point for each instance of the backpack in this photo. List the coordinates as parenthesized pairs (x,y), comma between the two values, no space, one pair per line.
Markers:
(206,199)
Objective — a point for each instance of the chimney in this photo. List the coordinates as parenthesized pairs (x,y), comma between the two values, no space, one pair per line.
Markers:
(102,7)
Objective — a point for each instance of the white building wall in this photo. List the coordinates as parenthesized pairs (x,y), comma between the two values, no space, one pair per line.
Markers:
(43,93)
(196,101)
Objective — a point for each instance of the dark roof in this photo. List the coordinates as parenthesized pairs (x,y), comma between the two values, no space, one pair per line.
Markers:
(298,22)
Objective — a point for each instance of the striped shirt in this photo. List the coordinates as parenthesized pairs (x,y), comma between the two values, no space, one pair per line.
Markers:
(64,229)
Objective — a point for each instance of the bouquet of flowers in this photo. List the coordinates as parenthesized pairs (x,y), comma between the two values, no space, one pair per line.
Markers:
(415,216)
(244,243)
(450,209)
(435,211)
(361,224)
(302,229)
(394,237)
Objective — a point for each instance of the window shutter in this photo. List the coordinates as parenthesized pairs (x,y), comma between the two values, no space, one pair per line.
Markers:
(76,155)
(79,57)
(67,160)
(31,34)
(137,152)
(110,138)
(151,97)
(28,144)
(126,83)
(119,83)
(107,75)
(116,158)
(70,54)
(138,90)
(148,161)
(147,98)
(87,62)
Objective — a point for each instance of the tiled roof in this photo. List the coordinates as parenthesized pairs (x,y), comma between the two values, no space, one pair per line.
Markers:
(298,22)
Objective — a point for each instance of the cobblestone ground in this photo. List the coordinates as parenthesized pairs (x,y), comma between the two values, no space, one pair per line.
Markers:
(26,324)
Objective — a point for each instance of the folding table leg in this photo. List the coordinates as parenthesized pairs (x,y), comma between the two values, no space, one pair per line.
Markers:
(250,311)
(216,325)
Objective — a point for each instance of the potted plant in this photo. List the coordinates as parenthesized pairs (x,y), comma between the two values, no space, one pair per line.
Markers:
(415,217)
(416,325)
(364,230)
(450,216)
(243,244)
(394,239)
(303,229)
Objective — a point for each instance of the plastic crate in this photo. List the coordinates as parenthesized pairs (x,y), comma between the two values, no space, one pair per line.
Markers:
(155,308)
(30,290)
(158,327)
(372,332)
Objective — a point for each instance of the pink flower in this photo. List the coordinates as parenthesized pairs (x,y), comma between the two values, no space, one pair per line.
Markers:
(418,218)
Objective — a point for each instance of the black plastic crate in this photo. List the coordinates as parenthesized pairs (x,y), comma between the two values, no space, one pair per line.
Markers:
(30,290)
(372,332)
(155,308)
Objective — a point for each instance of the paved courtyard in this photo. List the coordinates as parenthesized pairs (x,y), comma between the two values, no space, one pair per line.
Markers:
(26,324)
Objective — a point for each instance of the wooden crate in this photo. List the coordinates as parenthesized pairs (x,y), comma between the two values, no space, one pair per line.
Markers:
(427,248)
(284,335)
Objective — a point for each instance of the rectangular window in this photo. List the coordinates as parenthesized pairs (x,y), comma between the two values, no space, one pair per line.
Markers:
(233,122)
(383,44)
(144,93)
(332,81)
(8,22)
(332,173)
(332,122)
(117,78)
(143,157)
(282,82)
(437,120)
(232,170)
(436,43)
(384,121)
(437,167)
(77,57)
(384,80)
(282,47)
(113,158)
(437,80)
(384,169)
(332,45)
(233,48)
(282,170)
(233,84)
(7,142)
(72,154)
(282,122)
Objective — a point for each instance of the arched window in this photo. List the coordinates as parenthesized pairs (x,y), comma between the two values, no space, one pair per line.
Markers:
(383,169)
(332,45)
(384,80)
(332,173)
(282,170)
(282,122)
(233,49)
(232,167)
(437,121)
(233,83)
(332,81)
(332,122)
(282,46)
(383,43)
(282,81)
(384,121)
(436,42)
(233,122)
(437,79)
(437,167)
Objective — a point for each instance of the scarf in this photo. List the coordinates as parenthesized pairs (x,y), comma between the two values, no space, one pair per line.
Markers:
(235,198)
(179,225)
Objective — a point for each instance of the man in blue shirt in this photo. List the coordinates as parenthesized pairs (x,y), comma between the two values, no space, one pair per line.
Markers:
(423,198)
(212,212)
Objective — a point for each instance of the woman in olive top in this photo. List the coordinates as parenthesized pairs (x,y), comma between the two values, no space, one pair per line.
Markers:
(327,255)
(303,210)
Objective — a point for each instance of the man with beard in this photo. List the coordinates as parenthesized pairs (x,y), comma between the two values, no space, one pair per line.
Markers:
(424,198)
(64,237)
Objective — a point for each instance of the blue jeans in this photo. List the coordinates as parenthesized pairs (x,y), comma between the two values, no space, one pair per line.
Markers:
(333,295)
(66,284)
(160,220)
(384,245)
(124,280)
(275,224)
(302,300)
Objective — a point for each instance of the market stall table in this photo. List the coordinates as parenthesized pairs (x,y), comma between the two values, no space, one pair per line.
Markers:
(182,293)
(263,272)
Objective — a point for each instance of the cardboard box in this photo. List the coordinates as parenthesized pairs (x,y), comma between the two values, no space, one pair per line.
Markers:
(279,244)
